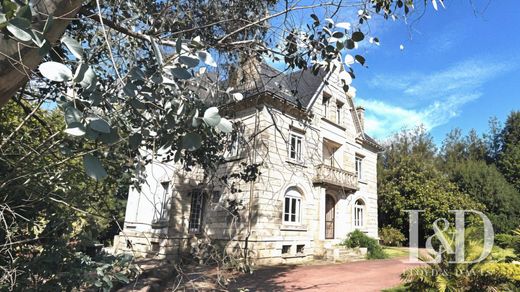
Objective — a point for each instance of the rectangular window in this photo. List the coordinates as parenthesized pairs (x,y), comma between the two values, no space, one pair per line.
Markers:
(358,216)
(339,109)
(296,147)
(359,167)
(325,103)
(196,211)
(286,249)
(292,210)
(161,204)
(233,148)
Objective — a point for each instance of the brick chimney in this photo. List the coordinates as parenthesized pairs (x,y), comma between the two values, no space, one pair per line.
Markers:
(361,115)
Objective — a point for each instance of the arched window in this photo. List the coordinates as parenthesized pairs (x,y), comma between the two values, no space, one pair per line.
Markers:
(359,213)
(292,206)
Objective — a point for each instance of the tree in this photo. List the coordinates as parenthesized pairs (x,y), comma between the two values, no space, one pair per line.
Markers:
(493,140)
(138,75)
(509,158)
(485,184)
(408,179)
(50,210)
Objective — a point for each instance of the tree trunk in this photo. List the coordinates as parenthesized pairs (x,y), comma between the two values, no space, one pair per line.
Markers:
(17,59)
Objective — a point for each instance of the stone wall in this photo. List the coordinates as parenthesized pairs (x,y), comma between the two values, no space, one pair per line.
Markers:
(259,222)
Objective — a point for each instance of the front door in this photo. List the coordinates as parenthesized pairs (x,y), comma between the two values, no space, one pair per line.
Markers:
(329,216)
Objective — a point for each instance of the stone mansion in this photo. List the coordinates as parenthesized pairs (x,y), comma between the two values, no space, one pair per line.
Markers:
(317,181)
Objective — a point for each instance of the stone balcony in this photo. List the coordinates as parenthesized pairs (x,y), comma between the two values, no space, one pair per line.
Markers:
(336,177)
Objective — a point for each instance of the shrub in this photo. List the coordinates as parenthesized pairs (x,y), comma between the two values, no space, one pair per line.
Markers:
(505,240)
(360,239)
(391,236)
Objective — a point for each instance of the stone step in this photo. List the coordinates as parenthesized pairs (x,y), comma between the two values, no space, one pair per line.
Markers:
(341,254)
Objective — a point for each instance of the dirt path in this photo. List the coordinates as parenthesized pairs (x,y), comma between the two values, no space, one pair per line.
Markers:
(360,276)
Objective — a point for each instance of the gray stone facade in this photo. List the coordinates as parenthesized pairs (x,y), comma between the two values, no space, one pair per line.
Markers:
(318,182)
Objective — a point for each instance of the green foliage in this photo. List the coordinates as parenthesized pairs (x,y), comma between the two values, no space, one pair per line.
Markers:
(488,275)
(485,184)
(504,240)
(391,236)
(413,184)
(358,238)
(51,212)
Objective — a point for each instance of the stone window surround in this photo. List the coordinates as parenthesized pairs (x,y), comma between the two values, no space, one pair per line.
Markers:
(359,206)
(294,192)
(299,137)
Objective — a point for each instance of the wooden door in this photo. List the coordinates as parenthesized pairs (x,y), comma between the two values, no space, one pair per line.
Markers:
(329,216)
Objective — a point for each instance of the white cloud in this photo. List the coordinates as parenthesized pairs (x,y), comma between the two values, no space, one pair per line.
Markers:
(441,95)
(382,119)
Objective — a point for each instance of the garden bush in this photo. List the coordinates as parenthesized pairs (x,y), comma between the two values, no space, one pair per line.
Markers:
(391,236)
(505,240)
(359,239)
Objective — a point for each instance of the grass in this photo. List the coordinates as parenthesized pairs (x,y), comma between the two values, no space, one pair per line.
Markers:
(399,288)
(395,252)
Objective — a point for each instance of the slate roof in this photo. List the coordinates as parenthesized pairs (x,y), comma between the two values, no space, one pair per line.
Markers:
(296,87)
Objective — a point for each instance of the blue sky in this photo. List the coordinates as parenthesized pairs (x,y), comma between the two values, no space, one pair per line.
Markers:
(458,68)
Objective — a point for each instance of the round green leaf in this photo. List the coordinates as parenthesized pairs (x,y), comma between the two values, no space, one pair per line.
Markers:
(181,73)
(358,36)
(75,129)
(55,71)
(72,115)
(360,59)
(190,61)
(99,125)
(211,116)
(73,46)
(93,167)
(191,141)
(19,28)
(134,140)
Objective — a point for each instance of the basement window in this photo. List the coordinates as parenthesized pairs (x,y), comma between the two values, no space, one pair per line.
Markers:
(155,247)
(286,249)
(300,248)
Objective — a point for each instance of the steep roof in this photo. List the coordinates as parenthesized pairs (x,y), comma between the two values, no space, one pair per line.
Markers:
(297,88)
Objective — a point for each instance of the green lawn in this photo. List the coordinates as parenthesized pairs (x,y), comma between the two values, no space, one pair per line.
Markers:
(395,252)
(399,288)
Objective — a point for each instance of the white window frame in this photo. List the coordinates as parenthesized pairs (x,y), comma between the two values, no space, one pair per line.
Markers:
(197,207)
(359,167)
(359,213)
(292,207)
(299,147)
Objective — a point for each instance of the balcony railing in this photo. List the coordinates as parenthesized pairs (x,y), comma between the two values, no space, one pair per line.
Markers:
(329,175)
